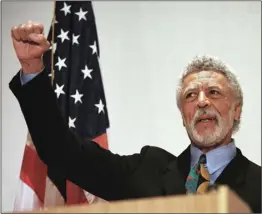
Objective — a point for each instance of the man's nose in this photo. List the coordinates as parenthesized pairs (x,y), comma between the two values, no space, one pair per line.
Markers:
(202,100)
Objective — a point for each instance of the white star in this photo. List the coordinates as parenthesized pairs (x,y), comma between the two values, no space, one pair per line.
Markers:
(56,21)
(77,97)
(100,106)
(75,41)
(94,48)
(87,72)
(71,122)
(59,90)
(81,14)
(63,35)
(61,63)
(66,8)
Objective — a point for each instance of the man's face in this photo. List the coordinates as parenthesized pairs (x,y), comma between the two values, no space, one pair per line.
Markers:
(208,108)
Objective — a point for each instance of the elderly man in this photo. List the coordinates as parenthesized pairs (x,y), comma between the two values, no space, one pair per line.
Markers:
(210,100)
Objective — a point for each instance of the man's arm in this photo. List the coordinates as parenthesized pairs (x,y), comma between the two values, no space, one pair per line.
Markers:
(85,163)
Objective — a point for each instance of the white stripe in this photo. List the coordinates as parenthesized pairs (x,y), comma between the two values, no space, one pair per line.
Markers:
(52,195)
(92,199)
(29,141)
(26,198)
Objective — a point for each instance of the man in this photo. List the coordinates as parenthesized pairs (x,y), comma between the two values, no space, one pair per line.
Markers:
(210,100)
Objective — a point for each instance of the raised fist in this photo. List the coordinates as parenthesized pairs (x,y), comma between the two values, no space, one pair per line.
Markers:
(30,44)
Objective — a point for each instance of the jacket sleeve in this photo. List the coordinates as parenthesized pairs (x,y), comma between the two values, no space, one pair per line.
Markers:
(85,163)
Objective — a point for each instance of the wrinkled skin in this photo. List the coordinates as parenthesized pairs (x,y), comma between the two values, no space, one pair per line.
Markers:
(207,95)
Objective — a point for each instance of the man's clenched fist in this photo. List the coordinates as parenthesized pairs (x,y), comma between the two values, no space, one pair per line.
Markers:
(30,44)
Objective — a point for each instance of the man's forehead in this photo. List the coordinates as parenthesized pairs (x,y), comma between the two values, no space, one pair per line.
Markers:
(205,77)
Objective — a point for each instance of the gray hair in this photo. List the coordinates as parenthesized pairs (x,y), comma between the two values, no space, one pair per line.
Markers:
(211,63)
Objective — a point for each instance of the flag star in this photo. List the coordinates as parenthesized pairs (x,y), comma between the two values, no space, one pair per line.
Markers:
(61,63)
(77,97)
(63,35)
(81,14)
(56,21)
(94,48)
(87,72)
(75,39)
(59,90)
(100,106)
(66,8)
(71,122)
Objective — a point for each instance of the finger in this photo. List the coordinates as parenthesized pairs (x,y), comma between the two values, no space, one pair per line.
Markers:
(38,28)
(28,30)
(40,40)
(15,34)
(22,33)
(44,42)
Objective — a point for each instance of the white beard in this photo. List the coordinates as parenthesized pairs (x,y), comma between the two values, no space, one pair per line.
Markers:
(210,138)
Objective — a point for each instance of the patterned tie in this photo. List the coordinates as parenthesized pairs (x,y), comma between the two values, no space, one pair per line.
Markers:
(198,178)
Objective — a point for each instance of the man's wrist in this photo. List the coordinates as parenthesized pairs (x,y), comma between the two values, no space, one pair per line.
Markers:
(33,66)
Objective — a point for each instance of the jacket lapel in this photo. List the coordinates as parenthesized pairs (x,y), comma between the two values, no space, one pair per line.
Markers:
(175,173)
(234,173)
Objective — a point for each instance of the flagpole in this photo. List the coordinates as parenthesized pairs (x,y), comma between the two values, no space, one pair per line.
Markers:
(53,38)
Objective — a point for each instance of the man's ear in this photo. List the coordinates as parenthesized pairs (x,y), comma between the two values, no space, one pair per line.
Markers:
(238,109)
(183,120)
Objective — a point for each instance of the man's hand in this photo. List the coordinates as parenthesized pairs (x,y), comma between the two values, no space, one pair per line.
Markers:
(30,44)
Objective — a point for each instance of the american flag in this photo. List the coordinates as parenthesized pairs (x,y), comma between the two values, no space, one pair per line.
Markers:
(77,82)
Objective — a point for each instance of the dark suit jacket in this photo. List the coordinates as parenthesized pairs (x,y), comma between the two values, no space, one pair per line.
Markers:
(152,172)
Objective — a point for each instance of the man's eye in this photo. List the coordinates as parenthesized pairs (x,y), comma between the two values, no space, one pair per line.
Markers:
(190,95)
(214,92)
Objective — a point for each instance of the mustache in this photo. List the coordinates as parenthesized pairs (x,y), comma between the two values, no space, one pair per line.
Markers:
(201,112)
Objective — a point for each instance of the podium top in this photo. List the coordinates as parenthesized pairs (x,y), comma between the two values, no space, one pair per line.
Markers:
(221,201)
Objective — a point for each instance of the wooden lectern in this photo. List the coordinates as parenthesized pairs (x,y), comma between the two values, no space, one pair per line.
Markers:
(221,201)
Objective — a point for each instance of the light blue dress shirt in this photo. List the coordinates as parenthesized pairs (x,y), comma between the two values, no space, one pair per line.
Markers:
(217,159)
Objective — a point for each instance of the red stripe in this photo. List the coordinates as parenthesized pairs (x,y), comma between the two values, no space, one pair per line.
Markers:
(102,140)
(75,195)
(34,172)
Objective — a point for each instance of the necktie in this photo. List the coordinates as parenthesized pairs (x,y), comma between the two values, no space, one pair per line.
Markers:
(198,178)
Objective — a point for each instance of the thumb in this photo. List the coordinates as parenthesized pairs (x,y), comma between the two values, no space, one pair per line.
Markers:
(39,39)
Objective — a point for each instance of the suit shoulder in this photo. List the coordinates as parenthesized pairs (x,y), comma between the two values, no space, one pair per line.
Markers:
(156,151)
(156,155)
(254,169)
(252,172)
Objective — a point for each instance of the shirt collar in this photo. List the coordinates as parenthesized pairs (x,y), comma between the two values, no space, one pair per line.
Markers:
(216,158)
